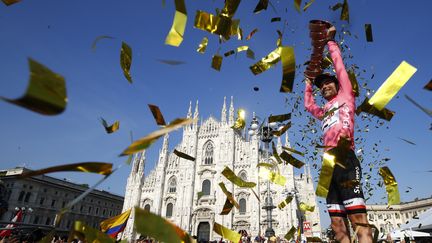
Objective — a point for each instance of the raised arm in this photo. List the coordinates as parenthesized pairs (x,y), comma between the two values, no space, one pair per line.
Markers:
(341,73)
(309,101)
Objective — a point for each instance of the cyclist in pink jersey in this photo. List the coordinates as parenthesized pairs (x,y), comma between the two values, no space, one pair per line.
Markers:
(337,117)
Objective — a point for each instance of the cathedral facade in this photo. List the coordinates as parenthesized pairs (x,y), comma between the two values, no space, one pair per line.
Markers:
(171,188)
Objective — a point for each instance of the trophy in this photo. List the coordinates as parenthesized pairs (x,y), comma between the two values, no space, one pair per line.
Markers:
(320,34)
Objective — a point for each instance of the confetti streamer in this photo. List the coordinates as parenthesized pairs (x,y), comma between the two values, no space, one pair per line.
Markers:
(249,53)
(288,69)
(272,176)
(385,113)
(216,62)
(229,195)
(240,122)
(408,141)
(281,131)
(251,34)
(266,62)
(427,111)
(428,86)
(110,129)
(368,31)
(325,175)
(46,92)
(171,62)
(297,4)
(229,53)
(392,85)
(304,207)
(275,19)
(154,226)
(227,207)
(199,195)
(93,47)
(10,2)
(89,234)
(292,150)
(285,202)
(288,236)
(88,167)
(183,155)
(229,174)
(279,118)
(146,141)
(226,233)
(345,11)
(391,185)
(126,60)
(203,45)
(175,35)
(157,115)
(291,160)
(308,5)
(262,5)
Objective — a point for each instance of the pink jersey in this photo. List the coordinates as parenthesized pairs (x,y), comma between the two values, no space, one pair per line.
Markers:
(340,122)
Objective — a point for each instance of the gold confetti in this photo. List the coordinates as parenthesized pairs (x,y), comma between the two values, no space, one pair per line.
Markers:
(171,62)
(408,141)
(304,207)
(391,186)
(266,62)
(297,4)
(262,5)
(175,35)
(93,47)
(385,113)
(288,69)
(227,207)
(229,195)
(279,118)
(275,19)
(354,84)
(183,155)
(249,53)
(157,114)
(229,53)
(199,195)
(265,164)
(10,2)
(345,11)
(308,5)
(251,34)
(89,234)
(425,110)
(110,129)
(392,85)
(272,176)
(46,92)
(288,236)
(428,86)
(291,160)
(282,130)
(88,167)
(285,202)
(368,31)
(154,226)
(146,141)
(226,233)
(240,122)
(325,175)
(292,150)
(216,62)
(330,112)
(203,45)
(229,174)
(126,60)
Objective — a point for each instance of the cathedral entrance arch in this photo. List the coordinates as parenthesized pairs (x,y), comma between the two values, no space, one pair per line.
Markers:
(203,232)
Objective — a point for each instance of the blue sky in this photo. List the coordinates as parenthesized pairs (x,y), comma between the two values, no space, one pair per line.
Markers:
(60,34)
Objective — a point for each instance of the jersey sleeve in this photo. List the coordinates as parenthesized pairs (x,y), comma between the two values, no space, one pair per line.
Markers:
(309,102)
(341,73)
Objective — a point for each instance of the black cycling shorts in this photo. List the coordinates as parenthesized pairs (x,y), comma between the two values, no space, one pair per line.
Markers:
(345,194)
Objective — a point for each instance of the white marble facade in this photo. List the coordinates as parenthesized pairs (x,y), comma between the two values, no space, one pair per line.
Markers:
(171,188)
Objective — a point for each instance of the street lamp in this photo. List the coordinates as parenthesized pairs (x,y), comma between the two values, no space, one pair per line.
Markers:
(265,134)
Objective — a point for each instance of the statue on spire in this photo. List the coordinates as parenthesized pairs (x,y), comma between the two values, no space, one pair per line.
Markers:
(223,113)
(231,112)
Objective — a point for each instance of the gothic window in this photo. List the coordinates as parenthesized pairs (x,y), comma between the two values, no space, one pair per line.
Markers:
(397,216)
(36,220)
(21,195)
(172,185)
(147,207)
(242,203)
(243,175)
(169,210)
(27,197)
(206,187)
(208,153)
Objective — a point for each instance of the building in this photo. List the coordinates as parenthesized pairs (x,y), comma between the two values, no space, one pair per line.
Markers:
(387,218)
(171,188)
(46,195)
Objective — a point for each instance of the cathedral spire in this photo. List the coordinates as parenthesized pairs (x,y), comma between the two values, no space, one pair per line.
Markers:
(189,114)
(231,112)
(287,143)
(223,113)
(196,113)
(141,167)
(165,144)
